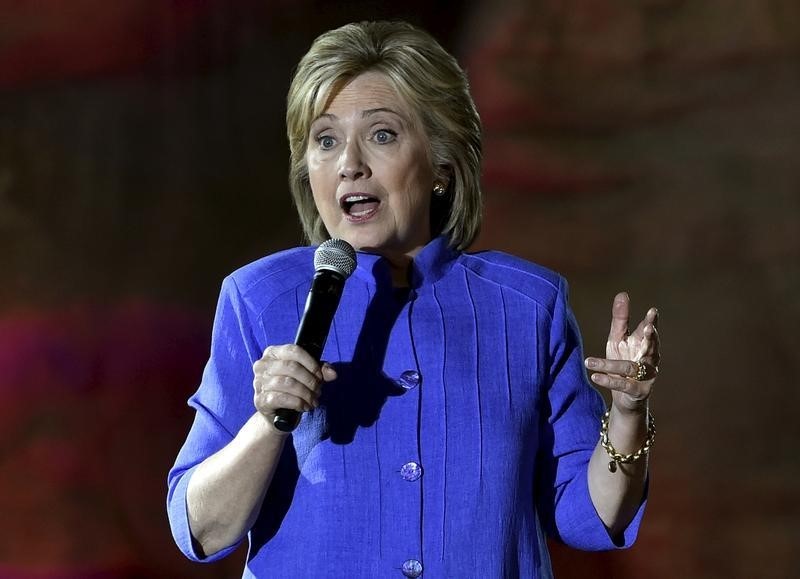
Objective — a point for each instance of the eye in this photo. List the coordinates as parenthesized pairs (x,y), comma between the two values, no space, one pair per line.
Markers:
(384,136)
(326,142)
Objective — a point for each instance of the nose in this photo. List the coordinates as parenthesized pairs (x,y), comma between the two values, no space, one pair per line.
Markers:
(352,164)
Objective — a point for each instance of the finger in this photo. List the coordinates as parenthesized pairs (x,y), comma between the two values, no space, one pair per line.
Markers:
(618,367)
(652,348)
(269,387)
(652,315)
(624,368)
(649,319)
(268,401)
(636,390)
(648,347)
(294,370)
(620,314)
(328,372)
(655,346)
(293,352)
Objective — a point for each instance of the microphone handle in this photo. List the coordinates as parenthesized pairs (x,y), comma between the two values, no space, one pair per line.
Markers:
(312,333)
(286,420)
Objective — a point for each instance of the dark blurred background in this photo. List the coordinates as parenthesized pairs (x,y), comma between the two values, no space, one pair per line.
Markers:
(652,146)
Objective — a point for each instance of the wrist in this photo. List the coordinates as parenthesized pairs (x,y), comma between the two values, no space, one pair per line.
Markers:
(263,428)
(629,415)
(627,428)
(626,437)
(627,406)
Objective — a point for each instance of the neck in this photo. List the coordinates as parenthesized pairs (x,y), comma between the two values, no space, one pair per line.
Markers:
(399,266)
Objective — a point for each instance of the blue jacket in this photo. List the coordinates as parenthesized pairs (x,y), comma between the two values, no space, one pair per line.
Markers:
(457,435)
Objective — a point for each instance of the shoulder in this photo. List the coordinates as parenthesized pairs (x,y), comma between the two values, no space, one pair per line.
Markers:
(268,277)
(529,279)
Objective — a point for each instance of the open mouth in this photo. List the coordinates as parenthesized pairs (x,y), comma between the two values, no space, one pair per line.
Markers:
(359,206)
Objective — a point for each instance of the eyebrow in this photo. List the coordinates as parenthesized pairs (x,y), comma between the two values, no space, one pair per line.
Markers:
(369,112)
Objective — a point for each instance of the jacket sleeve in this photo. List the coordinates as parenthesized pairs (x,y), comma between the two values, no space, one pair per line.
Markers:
(569,432)
(222,404)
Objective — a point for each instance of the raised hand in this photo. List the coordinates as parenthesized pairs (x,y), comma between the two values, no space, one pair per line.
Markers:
(630,367)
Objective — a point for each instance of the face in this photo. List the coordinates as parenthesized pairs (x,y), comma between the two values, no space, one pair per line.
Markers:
(369,169)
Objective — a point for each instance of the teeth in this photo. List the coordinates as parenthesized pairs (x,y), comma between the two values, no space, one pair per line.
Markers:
(349,202)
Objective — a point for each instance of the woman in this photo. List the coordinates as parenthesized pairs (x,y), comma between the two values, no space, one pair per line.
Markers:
(452,426)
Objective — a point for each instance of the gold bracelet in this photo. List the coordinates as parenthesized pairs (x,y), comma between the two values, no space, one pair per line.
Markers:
(617,458)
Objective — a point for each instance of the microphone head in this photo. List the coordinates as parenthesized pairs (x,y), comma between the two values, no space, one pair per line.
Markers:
(335,255)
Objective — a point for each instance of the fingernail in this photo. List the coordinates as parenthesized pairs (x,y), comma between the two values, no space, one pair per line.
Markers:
(600,379)
(591,363)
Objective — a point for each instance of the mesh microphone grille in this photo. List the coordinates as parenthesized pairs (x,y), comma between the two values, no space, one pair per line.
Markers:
(335,255)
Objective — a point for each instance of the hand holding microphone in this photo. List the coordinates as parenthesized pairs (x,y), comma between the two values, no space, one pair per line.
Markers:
(287,378)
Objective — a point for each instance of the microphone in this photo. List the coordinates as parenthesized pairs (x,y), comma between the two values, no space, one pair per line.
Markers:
(334,261)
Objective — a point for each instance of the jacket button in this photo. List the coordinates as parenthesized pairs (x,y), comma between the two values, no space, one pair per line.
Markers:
(409,379)
(411,471)
(412,568)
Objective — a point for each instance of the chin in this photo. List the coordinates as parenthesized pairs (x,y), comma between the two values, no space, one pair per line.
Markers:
(364,240)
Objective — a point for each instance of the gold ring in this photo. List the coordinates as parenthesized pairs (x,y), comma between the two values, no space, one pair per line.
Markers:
(641,371)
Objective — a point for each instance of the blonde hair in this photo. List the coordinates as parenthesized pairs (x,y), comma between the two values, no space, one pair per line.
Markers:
(431,82)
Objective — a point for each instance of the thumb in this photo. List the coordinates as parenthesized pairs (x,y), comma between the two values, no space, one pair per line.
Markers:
(328,372)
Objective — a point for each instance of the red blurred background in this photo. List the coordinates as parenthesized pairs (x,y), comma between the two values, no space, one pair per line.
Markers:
(649,146)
